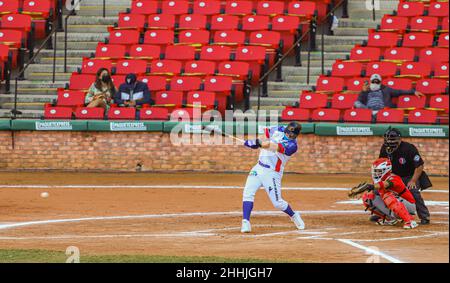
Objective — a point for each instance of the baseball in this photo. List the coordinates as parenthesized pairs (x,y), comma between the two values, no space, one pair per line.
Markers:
(44,195)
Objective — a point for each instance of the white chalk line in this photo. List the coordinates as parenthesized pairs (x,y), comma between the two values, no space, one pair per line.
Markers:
(174,187)
(370,250)
(431,235)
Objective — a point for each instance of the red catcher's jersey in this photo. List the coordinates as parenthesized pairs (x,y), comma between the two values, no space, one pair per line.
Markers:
(399,188)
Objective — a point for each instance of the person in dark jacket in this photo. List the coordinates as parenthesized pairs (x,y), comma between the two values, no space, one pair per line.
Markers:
(377,96)
(132,92)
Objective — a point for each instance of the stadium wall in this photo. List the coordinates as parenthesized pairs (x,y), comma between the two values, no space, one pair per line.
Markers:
(122,151)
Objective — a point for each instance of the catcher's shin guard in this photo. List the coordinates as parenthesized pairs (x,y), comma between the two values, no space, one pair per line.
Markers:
(368,199)
(397,207)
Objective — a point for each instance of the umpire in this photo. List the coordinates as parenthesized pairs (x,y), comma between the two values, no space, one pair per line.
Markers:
(408,164)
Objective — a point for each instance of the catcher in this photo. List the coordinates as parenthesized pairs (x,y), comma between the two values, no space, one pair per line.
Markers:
(388,197)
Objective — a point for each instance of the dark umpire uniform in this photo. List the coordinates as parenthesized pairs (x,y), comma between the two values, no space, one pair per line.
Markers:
(406,160)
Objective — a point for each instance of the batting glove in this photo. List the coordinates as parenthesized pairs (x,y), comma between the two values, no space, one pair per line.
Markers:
(253,144)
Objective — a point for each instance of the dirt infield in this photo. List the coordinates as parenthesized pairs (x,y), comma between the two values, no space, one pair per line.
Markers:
(199,215)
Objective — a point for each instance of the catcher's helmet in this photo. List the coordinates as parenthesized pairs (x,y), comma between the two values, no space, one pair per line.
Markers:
(392,139)
(293,130)
(381,170)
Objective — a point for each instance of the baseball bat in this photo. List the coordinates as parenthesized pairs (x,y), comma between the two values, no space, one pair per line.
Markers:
(209,129)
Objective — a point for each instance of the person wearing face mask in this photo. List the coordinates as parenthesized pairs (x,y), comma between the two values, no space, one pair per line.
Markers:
(132,92)
(376,96)
(102,91)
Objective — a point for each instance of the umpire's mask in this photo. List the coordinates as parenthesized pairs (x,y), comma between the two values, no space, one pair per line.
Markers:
(392,140)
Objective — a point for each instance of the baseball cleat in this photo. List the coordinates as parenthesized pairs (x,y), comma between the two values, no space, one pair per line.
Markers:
(246,227)
(382,222)
(424,221)
(298,221)
(410,225)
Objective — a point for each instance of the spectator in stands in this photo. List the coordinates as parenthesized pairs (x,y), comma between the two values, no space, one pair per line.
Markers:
(132,92)
(377,96)
(101,91)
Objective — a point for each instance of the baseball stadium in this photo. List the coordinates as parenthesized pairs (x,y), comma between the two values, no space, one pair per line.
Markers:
(210,131)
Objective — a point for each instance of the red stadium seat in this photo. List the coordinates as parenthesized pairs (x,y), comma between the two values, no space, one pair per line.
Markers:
(384,69)
(255,23)
(411,102)
(144,7)
(154,83)
(415,69)
(255,56)
(89,113)
(295,114)
(410,9)
(185,83)
(239,7)
(110,51)
(154,113)
(222,86)
(131,21)
(431,86)
(161,21)
(355,84)
(124,37)
(346,69)
(382,39)
(192,21)
(169,99)
(51,112)
(390,116)
(194,37)
(418,39)
(175,7)
(207,7)
(122,113)
(441,70)
(439,102)
(444,24)
(398,83)
(92,65)
(230,37)
(285,23)
(270,8)
(329,84)
(270,39)
(184,114)
(365,54)
(358,115)
(343,100)
(215,53)
(237,70)
(9,7)
(424,24)
(81,81)
(180,52)
(325,115)
(118,80)
(200,68)
(159,37)
(206,100)
(12,39)
(310,100)
(304,9)
(145,51)
(422,116)
(433,55)
(399,54)
(393,23)
(166,67)
(40,11)
(224,22)
(438,9)
(135,66)
(70,98)
(443,40)
(18,22)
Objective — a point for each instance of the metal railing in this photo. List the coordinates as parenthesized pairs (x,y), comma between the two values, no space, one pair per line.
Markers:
(297,46)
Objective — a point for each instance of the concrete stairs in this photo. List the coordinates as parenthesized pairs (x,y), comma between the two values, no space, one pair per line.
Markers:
(85,30)
(350,31)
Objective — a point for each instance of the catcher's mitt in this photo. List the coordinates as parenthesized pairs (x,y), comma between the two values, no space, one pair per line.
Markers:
(361,188)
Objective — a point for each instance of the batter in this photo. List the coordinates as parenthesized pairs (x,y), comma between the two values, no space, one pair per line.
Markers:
(275,151)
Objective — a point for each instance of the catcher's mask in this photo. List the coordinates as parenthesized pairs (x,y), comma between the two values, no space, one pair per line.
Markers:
(381,170)
(392,140)
(293,130)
